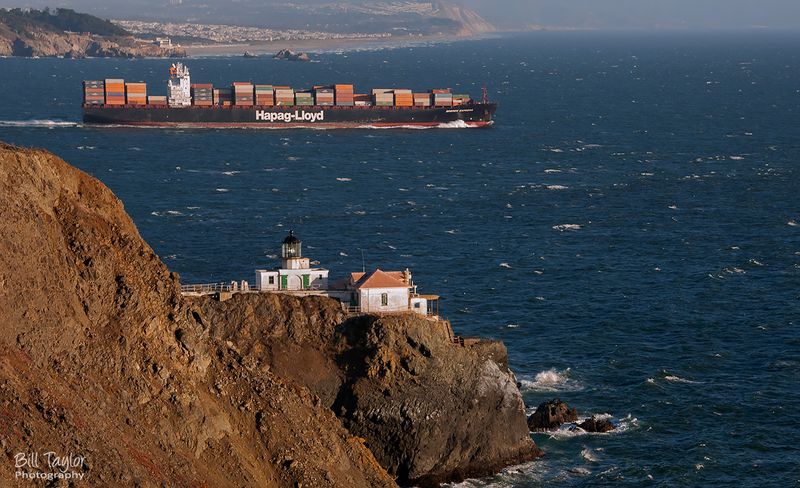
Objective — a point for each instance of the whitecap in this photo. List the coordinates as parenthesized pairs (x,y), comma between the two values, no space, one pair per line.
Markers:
(579,470)
(565,227)
(512,326)
(792,223)
(231,173)
(551,380)
(589,455)
(552,171)
(344,179)
(222,190)
(342,253)
(505,265)
(556,187)
(755,262)
(678,379)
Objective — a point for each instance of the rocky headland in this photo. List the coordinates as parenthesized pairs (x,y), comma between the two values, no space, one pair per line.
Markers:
(64,33)
(101,357)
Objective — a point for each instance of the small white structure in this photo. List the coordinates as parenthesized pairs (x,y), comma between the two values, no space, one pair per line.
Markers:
(295,273)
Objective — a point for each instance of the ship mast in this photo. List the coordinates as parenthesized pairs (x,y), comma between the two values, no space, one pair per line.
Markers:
(179,86)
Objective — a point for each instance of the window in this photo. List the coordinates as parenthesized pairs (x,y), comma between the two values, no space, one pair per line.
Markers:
(271,280)
(416,304)
(384,299)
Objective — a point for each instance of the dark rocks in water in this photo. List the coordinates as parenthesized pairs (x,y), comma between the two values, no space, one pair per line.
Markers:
(290,55)
(595,424)
(249,55)
(551,415)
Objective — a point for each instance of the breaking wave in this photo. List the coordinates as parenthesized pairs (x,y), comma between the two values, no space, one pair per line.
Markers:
(570,430)
(552,380)
(566,227)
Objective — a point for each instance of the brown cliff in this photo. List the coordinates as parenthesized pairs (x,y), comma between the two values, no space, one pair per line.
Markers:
(101,357)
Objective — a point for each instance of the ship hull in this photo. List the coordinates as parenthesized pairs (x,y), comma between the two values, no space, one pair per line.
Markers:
(471,115)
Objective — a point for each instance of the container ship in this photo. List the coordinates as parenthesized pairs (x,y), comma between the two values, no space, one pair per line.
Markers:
(245,104)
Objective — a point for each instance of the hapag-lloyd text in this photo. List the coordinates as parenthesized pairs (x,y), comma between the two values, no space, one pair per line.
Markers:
(296,116)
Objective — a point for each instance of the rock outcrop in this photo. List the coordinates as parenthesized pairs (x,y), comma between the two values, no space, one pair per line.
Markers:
(595,424)
(289,55)
(551,415)
(429,410)
(102,357)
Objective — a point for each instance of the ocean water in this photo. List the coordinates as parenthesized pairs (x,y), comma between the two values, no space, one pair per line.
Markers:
(629,227)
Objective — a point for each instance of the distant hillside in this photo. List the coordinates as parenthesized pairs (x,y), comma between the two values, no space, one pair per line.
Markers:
(62,19)
(64,32)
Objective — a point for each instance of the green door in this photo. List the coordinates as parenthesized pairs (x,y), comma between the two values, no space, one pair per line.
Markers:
(284,282)
(305,281)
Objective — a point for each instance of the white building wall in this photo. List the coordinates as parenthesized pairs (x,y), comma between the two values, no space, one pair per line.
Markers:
(419,305)
(263,280)
(370,299)
(317,279)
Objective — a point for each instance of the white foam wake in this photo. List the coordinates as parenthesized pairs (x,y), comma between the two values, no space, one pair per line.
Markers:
(37,123)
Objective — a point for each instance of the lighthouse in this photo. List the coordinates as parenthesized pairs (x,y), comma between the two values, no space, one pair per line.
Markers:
(295,272)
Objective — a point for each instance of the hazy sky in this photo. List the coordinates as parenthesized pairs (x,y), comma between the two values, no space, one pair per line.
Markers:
(643,13)
(564,13)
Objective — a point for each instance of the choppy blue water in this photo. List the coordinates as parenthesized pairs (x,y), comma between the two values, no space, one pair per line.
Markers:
(630,227)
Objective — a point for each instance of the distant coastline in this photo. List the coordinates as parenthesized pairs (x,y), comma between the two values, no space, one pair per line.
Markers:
(324,45)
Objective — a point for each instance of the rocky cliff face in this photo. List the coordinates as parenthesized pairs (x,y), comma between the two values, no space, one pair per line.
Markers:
(469,22)
(101,357)
(429,410)
(45,43)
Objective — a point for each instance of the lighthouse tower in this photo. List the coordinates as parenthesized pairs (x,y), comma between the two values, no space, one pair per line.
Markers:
(295,272)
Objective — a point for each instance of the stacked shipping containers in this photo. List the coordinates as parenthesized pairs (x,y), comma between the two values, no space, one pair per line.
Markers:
(403,98)
(361,99)
(222,96)
(94,92)
(460,99)
(325,96)
(203,94)
(344,95)
(157,101)
(442,97)
(243,93)
(136,93)
(115,91)
(422,99)
(304,98)
(284,95)
(383,97)
(265,95)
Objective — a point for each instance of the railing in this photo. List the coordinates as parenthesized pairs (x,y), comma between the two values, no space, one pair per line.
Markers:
(236,287)
(207,288)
